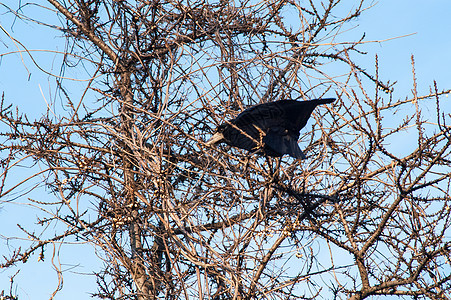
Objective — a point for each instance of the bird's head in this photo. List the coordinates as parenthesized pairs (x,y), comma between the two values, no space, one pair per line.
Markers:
(218,136)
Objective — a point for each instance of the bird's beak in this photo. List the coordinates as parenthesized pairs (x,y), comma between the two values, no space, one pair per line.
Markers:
(215,138)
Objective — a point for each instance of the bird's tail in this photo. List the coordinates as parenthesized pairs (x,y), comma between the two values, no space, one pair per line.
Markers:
(323,100)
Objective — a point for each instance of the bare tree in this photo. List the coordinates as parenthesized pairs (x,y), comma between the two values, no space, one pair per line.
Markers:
(172,218)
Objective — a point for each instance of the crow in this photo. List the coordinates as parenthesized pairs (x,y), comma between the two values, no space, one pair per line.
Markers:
(270,128)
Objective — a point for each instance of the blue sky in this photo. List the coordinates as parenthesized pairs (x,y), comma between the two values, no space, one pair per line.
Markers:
(427,20)
(430,44)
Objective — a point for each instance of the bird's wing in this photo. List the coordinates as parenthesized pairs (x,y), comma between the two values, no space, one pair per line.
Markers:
(263,116)
(245,136)
(248,128)
(289,114)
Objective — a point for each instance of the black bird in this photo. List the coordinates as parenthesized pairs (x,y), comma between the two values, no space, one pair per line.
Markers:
(271,128)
